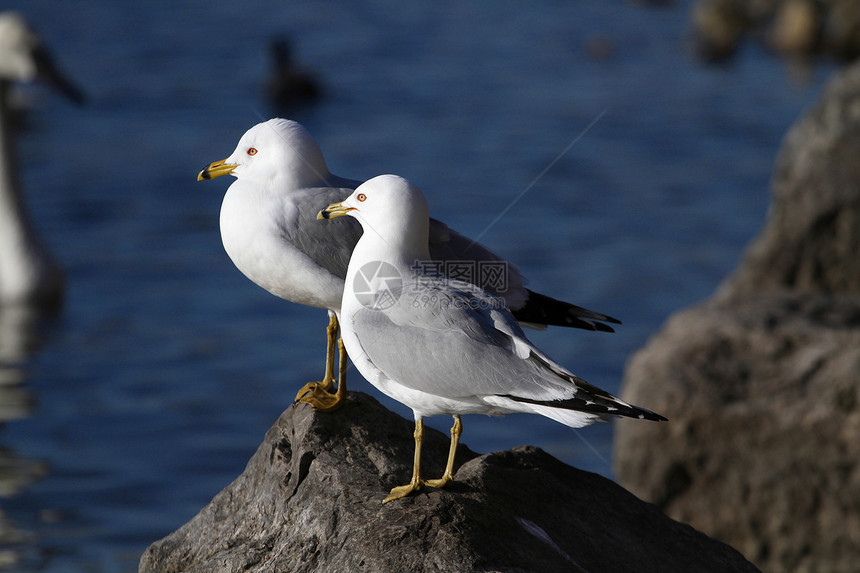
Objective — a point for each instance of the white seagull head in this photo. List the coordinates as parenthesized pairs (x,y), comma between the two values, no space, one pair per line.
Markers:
(277,152)
(390,207)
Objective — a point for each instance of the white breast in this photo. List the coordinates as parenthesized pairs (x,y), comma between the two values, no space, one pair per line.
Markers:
(251,236)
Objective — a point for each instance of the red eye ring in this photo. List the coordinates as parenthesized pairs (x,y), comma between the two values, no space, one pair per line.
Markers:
(361,197)
(252,151)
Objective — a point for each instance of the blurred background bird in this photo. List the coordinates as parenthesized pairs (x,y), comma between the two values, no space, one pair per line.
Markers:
(28,273)
(289,85)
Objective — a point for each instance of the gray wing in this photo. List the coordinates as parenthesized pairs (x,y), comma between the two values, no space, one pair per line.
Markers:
(454,341)
(450,339)
(462,258)
(328,243)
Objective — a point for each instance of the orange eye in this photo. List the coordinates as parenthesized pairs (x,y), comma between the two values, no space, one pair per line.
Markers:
(361,197)
(252,151)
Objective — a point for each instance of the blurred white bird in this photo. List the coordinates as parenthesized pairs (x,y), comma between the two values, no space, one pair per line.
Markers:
(28,274)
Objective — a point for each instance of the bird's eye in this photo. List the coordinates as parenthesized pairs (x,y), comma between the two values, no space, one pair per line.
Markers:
(361,197)
(252,151)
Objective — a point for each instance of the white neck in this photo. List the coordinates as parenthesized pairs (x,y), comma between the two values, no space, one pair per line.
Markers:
(371,249)
(27,272)
(403,243)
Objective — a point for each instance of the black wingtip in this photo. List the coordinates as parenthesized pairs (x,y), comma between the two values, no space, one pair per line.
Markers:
(542,309)
(608,405)
(649,415)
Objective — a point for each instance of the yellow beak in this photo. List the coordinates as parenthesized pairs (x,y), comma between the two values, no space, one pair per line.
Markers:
(334,210)
(216,169)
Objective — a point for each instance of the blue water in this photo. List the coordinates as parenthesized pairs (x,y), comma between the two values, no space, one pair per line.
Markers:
(156,384)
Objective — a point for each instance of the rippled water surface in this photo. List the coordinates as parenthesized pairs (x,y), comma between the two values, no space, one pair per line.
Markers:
(153,388)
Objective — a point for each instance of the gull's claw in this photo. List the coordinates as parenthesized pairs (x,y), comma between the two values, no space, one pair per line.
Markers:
(403,490)
(441,482)
(416,481)
(317,394)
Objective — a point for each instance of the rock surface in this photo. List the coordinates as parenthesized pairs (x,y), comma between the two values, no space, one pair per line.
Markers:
(762,382)
(310,500)
(762,450)
(812,238)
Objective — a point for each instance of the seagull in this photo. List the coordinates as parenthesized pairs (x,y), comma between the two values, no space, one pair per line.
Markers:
(441,345)
(28,273)
(269,230)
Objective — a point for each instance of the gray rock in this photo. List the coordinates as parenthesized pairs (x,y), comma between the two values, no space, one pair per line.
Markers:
(812,238)
(310,500)
(762,450)
(761,382)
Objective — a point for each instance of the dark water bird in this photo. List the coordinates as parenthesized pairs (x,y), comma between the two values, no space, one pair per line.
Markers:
(289,85)
(28,273)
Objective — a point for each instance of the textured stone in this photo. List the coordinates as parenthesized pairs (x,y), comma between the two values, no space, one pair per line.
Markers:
(762,450)
(762,382)
(811,241)
(310,500)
